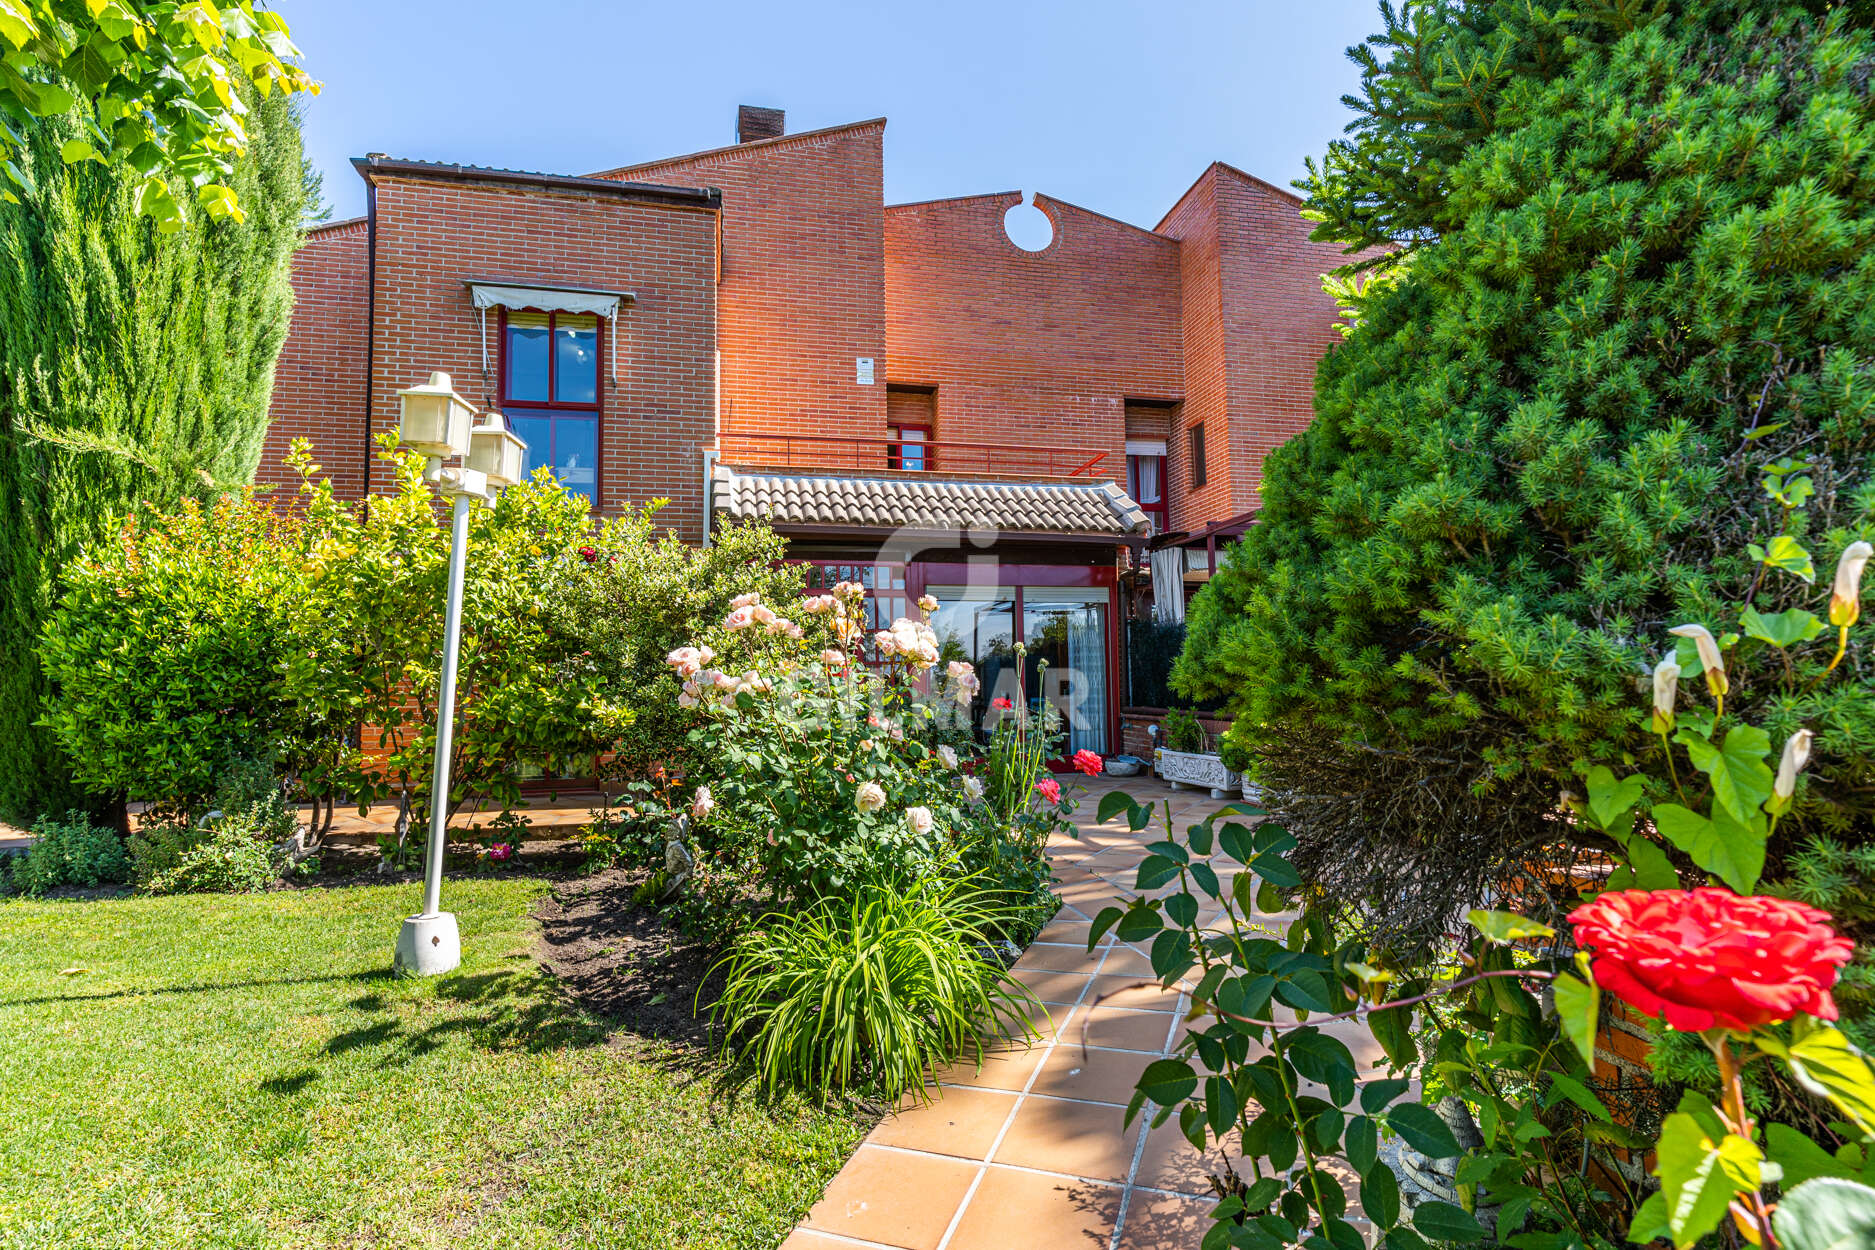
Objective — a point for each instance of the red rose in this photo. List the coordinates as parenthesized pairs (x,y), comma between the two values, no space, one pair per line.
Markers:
(1001,705)
(1049,789)
(1709,958)
(1088,762)
(589,554)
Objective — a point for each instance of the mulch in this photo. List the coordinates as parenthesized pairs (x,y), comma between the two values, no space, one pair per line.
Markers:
(624,963)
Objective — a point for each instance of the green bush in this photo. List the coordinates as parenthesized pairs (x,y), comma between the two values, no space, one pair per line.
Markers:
(234,848)
(1628,267)
(1182,730)
(230,855)
(72,851)
(870,992)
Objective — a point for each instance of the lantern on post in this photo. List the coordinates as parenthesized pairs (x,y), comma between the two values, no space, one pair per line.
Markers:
(436,421)
(496,451)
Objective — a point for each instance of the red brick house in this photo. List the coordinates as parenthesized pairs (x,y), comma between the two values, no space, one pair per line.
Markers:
(1036,438)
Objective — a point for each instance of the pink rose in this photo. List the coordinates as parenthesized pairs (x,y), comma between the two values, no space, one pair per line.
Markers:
(1049,789)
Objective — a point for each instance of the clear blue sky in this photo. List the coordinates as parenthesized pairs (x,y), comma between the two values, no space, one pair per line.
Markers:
(1113,106)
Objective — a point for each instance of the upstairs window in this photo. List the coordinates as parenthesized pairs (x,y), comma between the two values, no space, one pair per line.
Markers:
(1195,441)
(910,417)
(550,370)
(1145,482)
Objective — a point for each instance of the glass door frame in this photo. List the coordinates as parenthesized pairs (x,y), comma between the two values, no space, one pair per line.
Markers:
(1012,578)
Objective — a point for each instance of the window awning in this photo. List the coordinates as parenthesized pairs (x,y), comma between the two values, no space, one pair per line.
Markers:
(572,299)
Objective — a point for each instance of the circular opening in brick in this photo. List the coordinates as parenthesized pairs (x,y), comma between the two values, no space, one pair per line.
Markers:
(1028,227)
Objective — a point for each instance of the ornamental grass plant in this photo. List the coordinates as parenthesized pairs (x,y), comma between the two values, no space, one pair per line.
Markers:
(870,992)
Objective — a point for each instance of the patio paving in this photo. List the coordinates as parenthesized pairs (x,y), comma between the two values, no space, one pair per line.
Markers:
(1029,1151)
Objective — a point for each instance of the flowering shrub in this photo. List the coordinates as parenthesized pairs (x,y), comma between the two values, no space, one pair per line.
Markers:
(818,772)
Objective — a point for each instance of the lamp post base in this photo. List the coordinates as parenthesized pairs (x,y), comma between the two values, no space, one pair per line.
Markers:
(428,946)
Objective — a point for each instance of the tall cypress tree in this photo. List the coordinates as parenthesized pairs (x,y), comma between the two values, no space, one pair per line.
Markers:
(134,366)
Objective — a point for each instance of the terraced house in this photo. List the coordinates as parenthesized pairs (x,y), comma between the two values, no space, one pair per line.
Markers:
(1049,439)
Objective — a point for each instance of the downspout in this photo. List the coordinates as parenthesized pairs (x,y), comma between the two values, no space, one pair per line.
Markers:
(710,453)
(371,324)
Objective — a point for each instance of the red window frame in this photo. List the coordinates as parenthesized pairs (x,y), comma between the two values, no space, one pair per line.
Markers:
(550,406)
(553,366)
(895,449)
(1156,512)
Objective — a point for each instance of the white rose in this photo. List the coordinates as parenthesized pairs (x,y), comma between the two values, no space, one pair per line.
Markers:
(870,798)
(947,756)
(919,818)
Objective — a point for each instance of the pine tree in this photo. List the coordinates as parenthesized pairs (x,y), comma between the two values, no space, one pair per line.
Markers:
(134,366)
(1629,264)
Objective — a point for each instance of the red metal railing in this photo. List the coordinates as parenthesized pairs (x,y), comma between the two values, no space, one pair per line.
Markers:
(819,452)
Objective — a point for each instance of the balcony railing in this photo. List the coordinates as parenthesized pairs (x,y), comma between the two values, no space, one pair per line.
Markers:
(822,453)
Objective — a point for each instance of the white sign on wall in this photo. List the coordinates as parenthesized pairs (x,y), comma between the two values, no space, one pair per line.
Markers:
(862,370)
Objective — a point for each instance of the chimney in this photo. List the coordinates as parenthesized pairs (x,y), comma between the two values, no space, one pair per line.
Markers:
(754,122)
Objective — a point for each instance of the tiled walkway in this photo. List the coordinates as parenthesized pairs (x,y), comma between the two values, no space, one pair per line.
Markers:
(1029,1152)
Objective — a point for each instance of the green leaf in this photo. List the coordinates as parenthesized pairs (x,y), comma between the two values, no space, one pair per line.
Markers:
(1360,1143)
(74,150)
(1168,1082)
(1609,799)
(1112,804)
(1650,1220)
(1140,922)
(1826,1063)
(1155,871)
(1579,1010)
(1732,853)
(1441,1221)
(1741,779)
(1700,1168)
(1644,866)
(1380,1195)
(1781,629)
(1568,1087)
(1826,1214)
(1785,552)
(1422,1129)
(1375,1095)
(1503,927)
(1801,1158)
(1108,917)
(1393,1029)
(1236,841)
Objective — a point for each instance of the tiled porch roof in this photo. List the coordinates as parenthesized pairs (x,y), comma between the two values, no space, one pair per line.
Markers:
(927,503)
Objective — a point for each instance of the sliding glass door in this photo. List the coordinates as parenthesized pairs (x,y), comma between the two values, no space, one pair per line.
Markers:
(1065,628)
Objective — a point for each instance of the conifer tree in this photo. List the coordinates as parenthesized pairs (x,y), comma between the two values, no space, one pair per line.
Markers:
(1628,264)
(134,366)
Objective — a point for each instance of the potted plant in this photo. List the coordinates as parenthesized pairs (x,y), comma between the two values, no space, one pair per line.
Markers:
(1184,761)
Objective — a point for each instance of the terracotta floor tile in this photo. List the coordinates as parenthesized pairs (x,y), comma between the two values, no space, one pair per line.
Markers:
(1070,929)
(1014,1210)
(1171,1162)
(1061,958)
(807,1239)
(896,1199)
(1094,1075)
(1093,894)
(1050,1019)
(962,1122)
(1052,987)
(1079,1138)
(1158,1222)
(1009,1069)
(1139,993)
(1125,961)
(1119,1028)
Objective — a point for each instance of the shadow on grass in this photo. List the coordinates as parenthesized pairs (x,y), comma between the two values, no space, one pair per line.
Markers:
(496,1011)
(200,988)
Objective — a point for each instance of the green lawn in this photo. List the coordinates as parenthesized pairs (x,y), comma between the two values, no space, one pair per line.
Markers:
(242,1071)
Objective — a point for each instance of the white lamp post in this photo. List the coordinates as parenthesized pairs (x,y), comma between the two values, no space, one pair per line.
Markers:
(436,421)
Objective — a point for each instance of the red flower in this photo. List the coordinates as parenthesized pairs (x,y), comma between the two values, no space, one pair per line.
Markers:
(1088,762)
(1709,958)
(1001,704)
(589,554)
(1049,789)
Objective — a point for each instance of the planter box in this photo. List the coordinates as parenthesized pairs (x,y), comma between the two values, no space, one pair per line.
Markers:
(1191,770)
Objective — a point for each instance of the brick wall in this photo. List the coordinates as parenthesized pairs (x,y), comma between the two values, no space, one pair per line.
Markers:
(1277,321)
(434,235)
(802,294)
(1193,221)
(1030,348)
(319,383)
